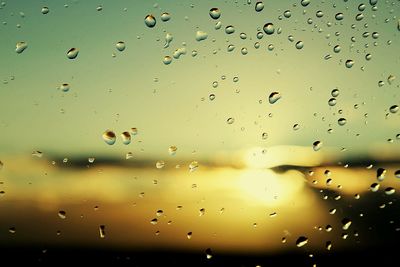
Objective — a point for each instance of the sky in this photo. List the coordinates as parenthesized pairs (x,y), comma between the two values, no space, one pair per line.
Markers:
(170,104)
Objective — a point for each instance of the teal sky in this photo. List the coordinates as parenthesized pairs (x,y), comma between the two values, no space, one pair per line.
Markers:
(120,92)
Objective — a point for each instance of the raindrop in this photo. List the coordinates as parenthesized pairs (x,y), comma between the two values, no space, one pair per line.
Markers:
(264,136)
(160,164)
(359,16)
(150,21)
(20,47)
(301,241)
(154,221)
(339,16)
(274,97)
(211,97)
(72,53)
(45,10)
(361,7)
(296,127)
(129,155)
(380,174)
(259,6)
(165,16)
(335,93)
(342,121)
(126,138)
(12,230)
(109,137)
(200,36)
(397,174)
(215,13)
(305,2)
(172,150)
(337,48)
(189,235)
(229,29)
(167,60)
(299,45)
(317,145)
(120,46)
(244,51)
(374,187)
(102,231)
(65,87)
(269,28)
(346,224)
(319,14)
(349,63)
(328,245)
(194,165)
(202,211)
(62,214)
(332,101)
(287,14)
(394,109)
(390,191)
(230,120)
(373,2)
(209,253)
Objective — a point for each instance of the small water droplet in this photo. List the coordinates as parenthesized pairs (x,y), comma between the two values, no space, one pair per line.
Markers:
(202,211)
(126,138)
(305,2)
(150,21)
(230,120)
(244,51)
(91,159)
(120,46)
(160,164)
(102,231)
(209,253)
(211,97)
(12,230)
(380,174)
(332,101)
(394,109)
(20,47)
(165,16)
(269,28)
(335,92)
(301,241)
(259,6)
(72,53)
(299,45)
(167,60)
(317,145)
(65,87)
(361,7)
(337,48)
(342,121)
(346,223)
(229,29)
(109,137)
(200,36)
(274,97)
(215,13)
(287,14)
(194,165)
(45,10)
(62,214)
(319,14)
(172,150)
(349,63)
(154,221)
(339,16)
(374,187)
(390,191)
(296,127)
(264,136)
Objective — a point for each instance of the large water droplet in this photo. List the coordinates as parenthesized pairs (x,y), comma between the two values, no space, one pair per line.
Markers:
(200,36)
(349,63)
(215,13)
(120,46)
(287,14)
(305,2)
(109,137)
(301,241)
(45,10)
(390,191)
(126,138)
(342,121)
(374,187)
(317,145)
(150,21)
(394,109)
(397,173)
(380,174)
(20,47)
(229,29)
(274,97)
(339,16)
(269,28)
(259,6)
(72,53)
(332,101)
(335,92)
(167,60)
(299,45)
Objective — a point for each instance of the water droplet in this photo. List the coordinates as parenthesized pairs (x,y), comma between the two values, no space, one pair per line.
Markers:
(160,164)
(202,211)
(194,165)
(159,213)
(319,14)
(65,87)
(167,60)
(337,48)
(91,159)
(342,121)
(328,245)
(335,92)
(45,10)
(374,187)
(397,173)
(129,155)
(287,14)
(154,221)
(211,97)
(380,174)
(274,97)
(126,138)
(235,79)
(150,21)
(301,241)
(230,48)
(346,224)
(99,8)
(102,231)
(339,16)
(305,2)
(120,46)
(332,101)
(215,13)
(165,16)
(37,154)
(359,16)
(72,53)
(200,36)
(244,51)
(230,120)
(398,24)
(390,191)
(361,7)
(391,79)
(269,28)
(62,214)
(317,145)
(299,45)
(12,230)
(229,29)
(259,6)
(20,47)
(296,127)
(172,150)
(373,2)
(109,137)
(264,136)
(349,63)
(209,253)
(394,109)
